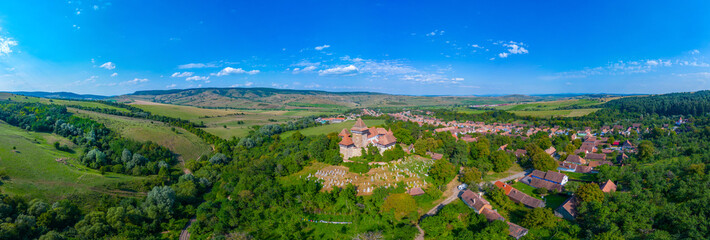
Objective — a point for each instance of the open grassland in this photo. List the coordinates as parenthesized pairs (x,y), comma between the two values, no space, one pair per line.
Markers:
(336,127)
(63,102)
(225,123)
(181,142)
(34,171)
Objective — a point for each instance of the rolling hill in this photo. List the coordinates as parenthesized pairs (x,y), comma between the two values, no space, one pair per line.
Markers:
(269,98)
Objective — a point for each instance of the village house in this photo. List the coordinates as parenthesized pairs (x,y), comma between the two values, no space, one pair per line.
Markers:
(518,196)
(363,137)
(475,201)
(568,209)
(575,159)
(550,180)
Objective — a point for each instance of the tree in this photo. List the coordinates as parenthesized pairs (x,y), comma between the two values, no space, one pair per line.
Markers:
(159,203)
(645,150)
(501,161)
(401,203)
(590,192)
(219,158)
(539,218)
(442,171)
(470,175)
(93,226)
(543,162)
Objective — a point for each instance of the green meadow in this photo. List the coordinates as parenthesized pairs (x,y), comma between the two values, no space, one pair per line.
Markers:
(33,170)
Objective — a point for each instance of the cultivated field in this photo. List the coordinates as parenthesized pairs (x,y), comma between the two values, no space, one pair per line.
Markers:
(34,170)
(181,142)
(225,123)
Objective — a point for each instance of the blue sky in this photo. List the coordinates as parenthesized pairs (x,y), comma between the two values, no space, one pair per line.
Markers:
(419,48)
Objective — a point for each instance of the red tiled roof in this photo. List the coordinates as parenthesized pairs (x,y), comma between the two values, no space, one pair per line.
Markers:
(575,159)
(346,141)
(516,231)
(608,186)
(416,191)
(506,188)
(344,133)
(570,206)
(359,125)
(595,164)
(596,156)
(492,215)
(474,201)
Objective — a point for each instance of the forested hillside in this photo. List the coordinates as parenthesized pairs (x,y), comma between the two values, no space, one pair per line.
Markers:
(690,103)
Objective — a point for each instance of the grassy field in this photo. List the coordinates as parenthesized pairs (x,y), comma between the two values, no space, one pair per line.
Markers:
(18,98)
(34,171)
(336,127)
(557,113)
(181,142)
(552,105)
(225,123)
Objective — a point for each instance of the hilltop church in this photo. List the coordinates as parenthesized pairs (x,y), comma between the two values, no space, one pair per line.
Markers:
(350,146)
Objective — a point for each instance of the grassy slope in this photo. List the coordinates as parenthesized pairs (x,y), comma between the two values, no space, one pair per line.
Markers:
(337,127)
(33,170)
(183,143)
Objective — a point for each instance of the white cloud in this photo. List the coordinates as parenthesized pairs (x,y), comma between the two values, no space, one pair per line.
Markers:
(697,75)
(652,62)
(91,79)
(197,65)
(114,74)
(108,65)
(322,47)
(246,84)
(695,51)
(304,70)
(512,48)
(6,45)
(182,74)
(135,81)
(230,70)
(171,86)
(96,7)
(197,78)
(339,70)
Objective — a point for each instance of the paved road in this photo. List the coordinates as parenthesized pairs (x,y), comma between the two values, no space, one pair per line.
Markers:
(511,177)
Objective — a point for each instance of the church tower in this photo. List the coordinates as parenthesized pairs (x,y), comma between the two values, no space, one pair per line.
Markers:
(359,132)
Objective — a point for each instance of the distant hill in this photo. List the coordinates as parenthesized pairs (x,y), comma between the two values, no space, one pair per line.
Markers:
(270,98)
(62,95)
